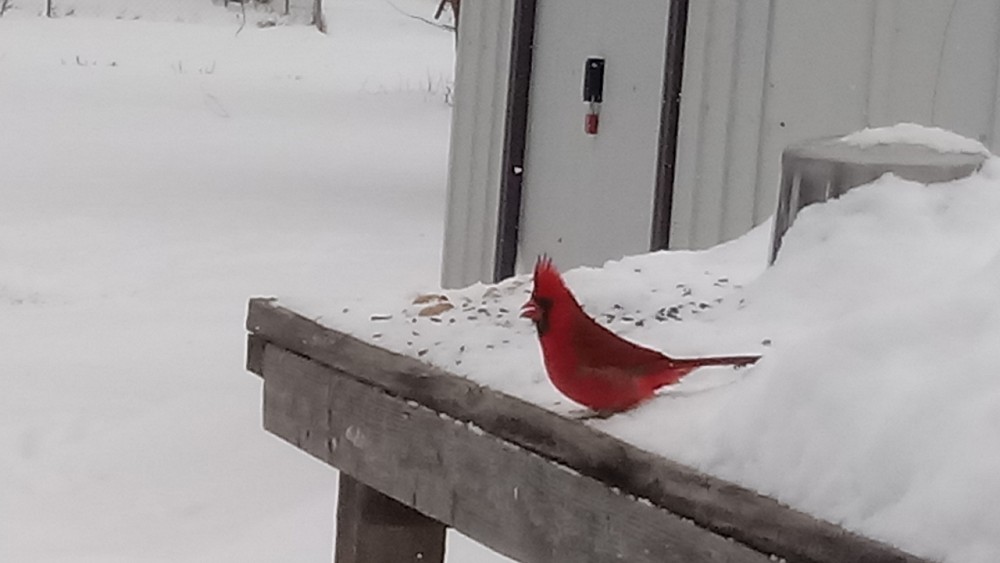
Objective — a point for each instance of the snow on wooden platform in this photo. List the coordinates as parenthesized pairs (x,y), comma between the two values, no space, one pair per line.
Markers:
(522,480)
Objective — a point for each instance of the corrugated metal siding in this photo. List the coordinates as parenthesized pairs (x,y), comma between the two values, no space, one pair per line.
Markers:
(721,102)
(762,74)
(477,141)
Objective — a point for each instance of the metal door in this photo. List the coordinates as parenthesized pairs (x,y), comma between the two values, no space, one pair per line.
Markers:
(589,198)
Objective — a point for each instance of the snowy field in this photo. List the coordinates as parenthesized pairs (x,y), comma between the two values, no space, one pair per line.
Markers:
(877,402)
(154,174)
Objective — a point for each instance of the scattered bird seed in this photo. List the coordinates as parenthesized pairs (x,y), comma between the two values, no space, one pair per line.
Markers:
(380,317)
(436,309)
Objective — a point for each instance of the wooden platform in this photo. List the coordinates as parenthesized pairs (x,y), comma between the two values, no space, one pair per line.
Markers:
(423,449)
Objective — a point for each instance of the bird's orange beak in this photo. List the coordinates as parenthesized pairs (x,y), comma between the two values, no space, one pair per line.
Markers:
(530,310)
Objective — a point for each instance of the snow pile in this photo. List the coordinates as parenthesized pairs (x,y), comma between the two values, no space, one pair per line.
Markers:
(935,138)
(877,403)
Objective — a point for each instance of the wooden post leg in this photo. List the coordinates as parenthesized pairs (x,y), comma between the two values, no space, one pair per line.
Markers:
(373,528)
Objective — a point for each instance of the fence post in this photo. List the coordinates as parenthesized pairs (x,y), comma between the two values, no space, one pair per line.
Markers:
(373,528)
(318,20)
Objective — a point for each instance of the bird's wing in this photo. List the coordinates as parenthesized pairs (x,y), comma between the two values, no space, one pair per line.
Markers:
(598,347)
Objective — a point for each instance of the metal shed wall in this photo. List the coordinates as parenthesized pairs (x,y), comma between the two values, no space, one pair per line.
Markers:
(477,141)
(758,75)
(762,74)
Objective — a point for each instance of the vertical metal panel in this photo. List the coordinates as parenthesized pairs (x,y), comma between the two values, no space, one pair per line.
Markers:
(670,113)
(588,199)
(476,141)
(994,138)
(760,75)
(515,139)
(721,109)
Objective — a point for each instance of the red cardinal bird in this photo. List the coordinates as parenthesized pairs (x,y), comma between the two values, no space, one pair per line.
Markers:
(592,365)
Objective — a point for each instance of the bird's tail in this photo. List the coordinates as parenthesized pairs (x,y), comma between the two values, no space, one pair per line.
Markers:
(716,361)
(678,368)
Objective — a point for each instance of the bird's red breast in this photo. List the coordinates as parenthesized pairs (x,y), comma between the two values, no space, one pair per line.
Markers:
(592,365)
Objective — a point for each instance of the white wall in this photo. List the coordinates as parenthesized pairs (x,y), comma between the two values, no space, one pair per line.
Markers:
(761,75)
(477,141)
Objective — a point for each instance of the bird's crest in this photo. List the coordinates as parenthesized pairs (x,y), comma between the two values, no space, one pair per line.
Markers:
(548,281)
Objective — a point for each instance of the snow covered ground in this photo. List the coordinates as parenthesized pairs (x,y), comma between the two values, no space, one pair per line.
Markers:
(877,402)
(154,174)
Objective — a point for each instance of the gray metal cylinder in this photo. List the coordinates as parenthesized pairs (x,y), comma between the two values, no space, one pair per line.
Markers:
(821,169)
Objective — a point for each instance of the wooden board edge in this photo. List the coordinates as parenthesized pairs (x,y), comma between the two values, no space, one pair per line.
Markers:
(255,354)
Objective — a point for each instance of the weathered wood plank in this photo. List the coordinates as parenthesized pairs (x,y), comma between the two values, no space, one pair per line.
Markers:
(373,528)
(511,500)
(729,510)
(255,353)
